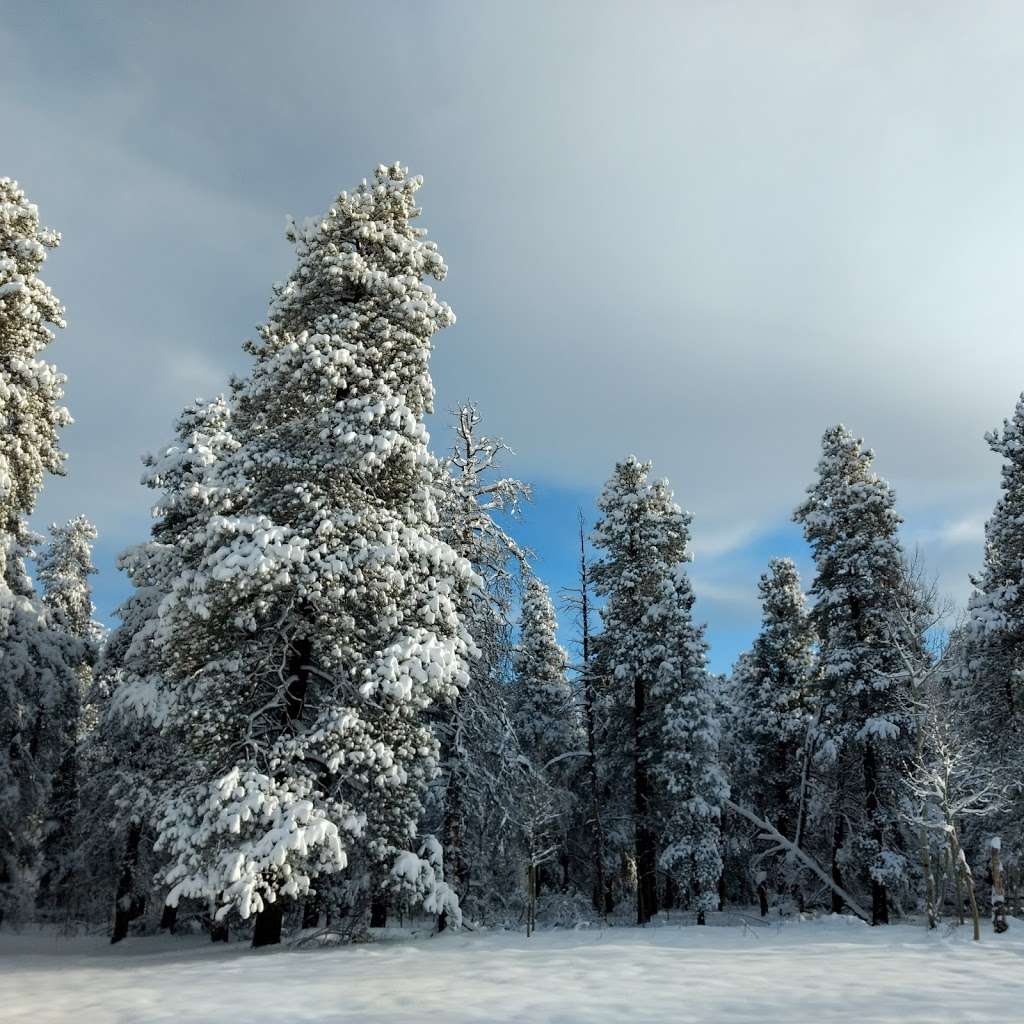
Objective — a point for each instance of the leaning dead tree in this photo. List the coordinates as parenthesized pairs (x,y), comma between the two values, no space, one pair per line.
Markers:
(771,834)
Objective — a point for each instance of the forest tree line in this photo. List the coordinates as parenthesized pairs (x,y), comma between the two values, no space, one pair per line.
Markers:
(335,695)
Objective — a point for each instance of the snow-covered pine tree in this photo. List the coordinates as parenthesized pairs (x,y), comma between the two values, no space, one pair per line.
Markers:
(689,782)
(64,568)
(472,803)
(545,711)
(546,725)
(773,705)
(303,652)
(37,657)
(850,522)
(649,663)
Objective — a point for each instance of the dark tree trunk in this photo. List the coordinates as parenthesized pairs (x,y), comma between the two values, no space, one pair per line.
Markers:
(762,896)
(838,837)
(668,897)
(311,912)
(168,918)
(646,841)
(601,902)
(879,897)
(379,910)
(125,904)
(456,868)
(266,930)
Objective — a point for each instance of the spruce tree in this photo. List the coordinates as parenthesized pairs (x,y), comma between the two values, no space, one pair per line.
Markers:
(774,700)
(37,656)
(304,650)
(850,522)
(689,780)
(544,700)
(649,662)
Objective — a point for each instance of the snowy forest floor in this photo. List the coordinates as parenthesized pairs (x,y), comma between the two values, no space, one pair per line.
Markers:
(810,971)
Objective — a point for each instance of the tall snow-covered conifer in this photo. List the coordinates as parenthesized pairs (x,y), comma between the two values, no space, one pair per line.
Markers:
(650,660)
(850,522)
(37,656)
(305,648)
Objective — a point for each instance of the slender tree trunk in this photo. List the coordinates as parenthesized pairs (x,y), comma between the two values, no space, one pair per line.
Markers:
(964,872)
(879,896)
(999,922)
(168,918)
(929,880)
(266,930)
(838,838)
(125,903)
(311,912)
(379,909)
(646,842)
(762,896)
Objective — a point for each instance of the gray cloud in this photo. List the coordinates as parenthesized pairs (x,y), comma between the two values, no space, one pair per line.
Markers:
(699,232)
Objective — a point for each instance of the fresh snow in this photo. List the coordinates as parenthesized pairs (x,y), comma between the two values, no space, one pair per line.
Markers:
(824,971)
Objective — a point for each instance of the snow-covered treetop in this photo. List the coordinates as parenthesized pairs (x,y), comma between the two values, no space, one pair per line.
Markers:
(64,570)
(30,390)
(850,520)
(544,718)
(998,605)
(639,522)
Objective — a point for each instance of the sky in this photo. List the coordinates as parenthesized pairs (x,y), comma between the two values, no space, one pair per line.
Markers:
(697,232)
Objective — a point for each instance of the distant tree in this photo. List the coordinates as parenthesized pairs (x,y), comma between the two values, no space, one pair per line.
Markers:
(850,522)
(544,701)
(773,706)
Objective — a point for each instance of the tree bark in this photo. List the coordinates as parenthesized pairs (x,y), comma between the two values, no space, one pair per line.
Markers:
(838,837)
(646,841)
(379,909)
(168,918)
(125,903)
(266,930)
(999,922)
(879,896)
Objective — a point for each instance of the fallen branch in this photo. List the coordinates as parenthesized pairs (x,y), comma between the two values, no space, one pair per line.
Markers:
(775,835)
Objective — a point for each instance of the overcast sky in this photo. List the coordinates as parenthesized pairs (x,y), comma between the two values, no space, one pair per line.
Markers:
(697,232)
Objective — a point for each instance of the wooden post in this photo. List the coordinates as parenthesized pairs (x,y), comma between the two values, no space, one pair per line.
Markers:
(999,922)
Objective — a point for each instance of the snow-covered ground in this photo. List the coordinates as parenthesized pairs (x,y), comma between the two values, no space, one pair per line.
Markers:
(824,971)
